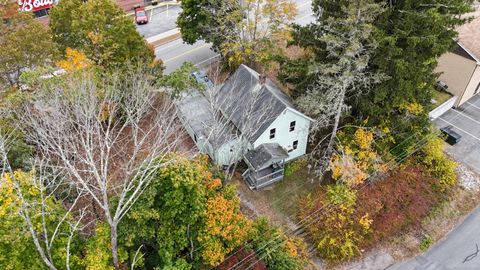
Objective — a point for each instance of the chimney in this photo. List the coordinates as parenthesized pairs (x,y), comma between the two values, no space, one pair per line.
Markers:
(262,78)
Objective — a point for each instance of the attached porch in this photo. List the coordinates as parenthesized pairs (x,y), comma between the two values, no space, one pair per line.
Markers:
(265,165)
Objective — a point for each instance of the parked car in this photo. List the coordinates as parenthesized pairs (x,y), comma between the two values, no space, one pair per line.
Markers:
(141,16)
(202,79)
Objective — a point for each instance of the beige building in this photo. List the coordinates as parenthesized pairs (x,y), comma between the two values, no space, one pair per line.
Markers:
(460,69)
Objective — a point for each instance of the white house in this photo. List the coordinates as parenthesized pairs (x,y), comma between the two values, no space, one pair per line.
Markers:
(248,117)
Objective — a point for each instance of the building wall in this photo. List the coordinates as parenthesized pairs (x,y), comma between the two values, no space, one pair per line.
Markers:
(473,85)
(456,72)
(284,137)
(230,152)
(128,5)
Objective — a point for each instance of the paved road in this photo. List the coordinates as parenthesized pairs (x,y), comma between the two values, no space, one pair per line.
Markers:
(458,251)
(175,53)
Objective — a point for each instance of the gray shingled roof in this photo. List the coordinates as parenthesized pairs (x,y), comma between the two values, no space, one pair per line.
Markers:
(252,107)
(265,154)
(194,108)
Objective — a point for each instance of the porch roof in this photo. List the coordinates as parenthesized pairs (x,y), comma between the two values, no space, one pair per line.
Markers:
(265,155)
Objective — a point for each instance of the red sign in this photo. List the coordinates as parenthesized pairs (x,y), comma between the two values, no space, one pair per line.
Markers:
(33,5)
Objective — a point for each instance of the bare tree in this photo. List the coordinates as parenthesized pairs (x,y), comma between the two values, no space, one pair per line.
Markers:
(343,73)
(37,212)
(108,137)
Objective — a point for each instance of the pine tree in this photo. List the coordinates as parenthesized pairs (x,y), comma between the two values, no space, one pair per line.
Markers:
(340,69)
(411,34)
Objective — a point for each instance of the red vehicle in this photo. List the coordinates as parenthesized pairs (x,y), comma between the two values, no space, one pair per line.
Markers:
(141,16)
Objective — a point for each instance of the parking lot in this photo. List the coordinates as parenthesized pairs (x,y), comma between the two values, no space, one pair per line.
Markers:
(160,20)
(465,120)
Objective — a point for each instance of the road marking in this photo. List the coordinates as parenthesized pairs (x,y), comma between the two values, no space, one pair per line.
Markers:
(473,105)
(468,133)
(466,116)
(186,53)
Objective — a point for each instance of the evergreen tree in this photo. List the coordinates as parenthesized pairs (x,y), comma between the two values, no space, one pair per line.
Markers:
(343,44)
(411,34)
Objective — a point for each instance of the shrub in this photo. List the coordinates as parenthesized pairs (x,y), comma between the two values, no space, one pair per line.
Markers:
(277,250)
(398,202)
(426,243)
(273,249)
(438,164)
(294,166)
(356,157)
(339,230)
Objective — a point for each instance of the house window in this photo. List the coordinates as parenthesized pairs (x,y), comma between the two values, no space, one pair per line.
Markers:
(292,126)
(194,137)
(272,133)
(295,145)
(476,89)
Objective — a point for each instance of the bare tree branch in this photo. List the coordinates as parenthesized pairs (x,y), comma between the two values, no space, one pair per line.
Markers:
(108,138)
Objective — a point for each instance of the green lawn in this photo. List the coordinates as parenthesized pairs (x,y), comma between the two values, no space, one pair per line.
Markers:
(283,196)
(440,97)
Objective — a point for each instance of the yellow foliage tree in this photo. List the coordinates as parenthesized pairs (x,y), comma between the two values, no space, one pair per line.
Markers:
(74,60)
(438,164)
(263,31)
(29,218)
(225,229)
(356,158)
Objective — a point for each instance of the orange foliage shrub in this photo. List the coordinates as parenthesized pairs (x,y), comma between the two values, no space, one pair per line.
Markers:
(398,202)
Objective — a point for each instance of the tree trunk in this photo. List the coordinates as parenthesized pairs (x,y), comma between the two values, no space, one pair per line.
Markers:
(331,142)
(113,241)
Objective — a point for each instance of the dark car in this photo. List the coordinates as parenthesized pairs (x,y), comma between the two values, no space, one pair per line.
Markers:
(141,16)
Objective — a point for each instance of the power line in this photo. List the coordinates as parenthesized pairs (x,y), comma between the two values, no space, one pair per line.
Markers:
(297,187)
(419,145)
(326,207)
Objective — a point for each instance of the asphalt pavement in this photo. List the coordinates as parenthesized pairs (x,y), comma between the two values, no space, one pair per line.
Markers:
(465,121)
(175,53)
(160,20)
(458,251)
